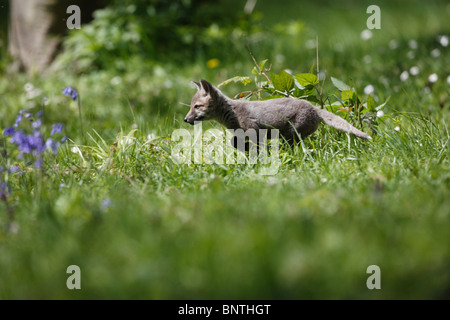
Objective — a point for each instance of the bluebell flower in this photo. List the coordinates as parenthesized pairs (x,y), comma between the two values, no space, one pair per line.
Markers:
(3,190)
(18,120)
(40,113)
(106,203)
(38,163)
(52,144)
(18,137)
(57,128)
(36,143)
(63,139)
(13,169)
(37,124)
(71,92)
(9,131)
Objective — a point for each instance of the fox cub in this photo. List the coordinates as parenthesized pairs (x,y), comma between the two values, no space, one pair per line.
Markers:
(292,117)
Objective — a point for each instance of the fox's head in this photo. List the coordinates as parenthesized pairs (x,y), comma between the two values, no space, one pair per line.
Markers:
(203,103)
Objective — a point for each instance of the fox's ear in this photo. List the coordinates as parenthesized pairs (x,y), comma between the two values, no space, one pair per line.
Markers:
(207,87)
(198,85)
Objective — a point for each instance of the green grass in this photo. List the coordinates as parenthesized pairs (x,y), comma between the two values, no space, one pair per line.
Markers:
(336,206)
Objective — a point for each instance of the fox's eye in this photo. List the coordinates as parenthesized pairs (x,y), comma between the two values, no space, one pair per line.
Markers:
(196,106)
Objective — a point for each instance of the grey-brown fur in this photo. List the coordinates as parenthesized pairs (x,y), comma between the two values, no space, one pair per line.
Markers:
(288,115)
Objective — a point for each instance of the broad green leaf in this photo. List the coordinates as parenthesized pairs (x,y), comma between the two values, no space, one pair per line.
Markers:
(381,106)
(307,79)
(274,78)
(370,106)
(244,80)
(312,99)
(301,93)
(348,95)
(340,85)
(282,82)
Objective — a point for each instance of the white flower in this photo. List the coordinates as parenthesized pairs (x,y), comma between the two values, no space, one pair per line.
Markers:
(397,128)
(404,75)
(367,59)
(75,150)
(168,84)
(116,80)
(310,44)
(412,44)
(435,53)
(28,87)
(433,78)
(393,44)
(366,34)
(448,79)
(369,89)
(380,113)
(33,93)
(414,71)
(411,55)
(443,40)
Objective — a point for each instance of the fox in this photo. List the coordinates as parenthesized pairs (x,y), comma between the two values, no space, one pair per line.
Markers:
(293,118)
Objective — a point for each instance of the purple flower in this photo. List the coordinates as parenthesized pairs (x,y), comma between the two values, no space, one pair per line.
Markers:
(71,92)
(40,113)
(57,128)
(63,139)
(36,143)
(52,144)
(38,163)
(3,190)
(37,124)
(13,169)
(18,120)
(9,131)
(18,137)
(106,203)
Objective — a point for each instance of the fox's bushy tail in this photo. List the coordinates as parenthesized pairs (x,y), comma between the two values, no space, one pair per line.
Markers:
(340,124)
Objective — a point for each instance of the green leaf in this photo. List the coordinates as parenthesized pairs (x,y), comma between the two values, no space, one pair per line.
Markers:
(260,68)
(307,79)
(312,99)
(312,67)
(282,82)
(370,106)
(302,93)
(340,85)
(244,80)
(381,106)
(348,95)
(262,64)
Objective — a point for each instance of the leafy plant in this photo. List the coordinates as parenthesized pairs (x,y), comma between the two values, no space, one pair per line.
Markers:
(345,100)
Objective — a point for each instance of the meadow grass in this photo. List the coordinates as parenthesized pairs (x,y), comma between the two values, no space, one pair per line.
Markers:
(141,226)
